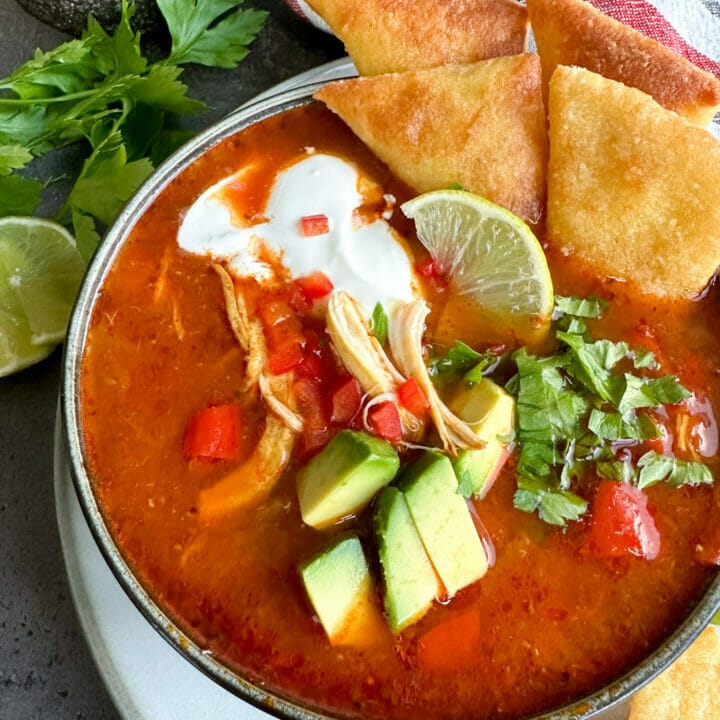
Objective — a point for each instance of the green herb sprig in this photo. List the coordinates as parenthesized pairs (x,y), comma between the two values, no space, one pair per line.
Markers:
(577,412)
(100,89)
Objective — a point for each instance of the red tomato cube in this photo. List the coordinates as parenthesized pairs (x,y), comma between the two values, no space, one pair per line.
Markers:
(621,523)
(385,421)
(213,433)
(314,225)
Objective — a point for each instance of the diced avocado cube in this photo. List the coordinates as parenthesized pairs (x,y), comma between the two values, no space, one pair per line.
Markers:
(490,411)
(411,584)
(343,478)
(443,521)
(340,588)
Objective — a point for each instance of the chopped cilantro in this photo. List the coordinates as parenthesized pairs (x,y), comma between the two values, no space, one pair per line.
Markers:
(655,468)
(461,361)
(101,90)
(578,409)
(579,307)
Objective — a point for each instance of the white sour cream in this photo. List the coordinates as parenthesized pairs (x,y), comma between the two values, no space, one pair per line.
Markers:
(366,259)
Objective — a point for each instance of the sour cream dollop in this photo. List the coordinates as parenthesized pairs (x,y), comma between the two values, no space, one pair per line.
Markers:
(366,258)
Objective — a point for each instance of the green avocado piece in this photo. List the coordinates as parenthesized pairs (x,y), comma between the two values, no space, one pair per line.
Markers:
(344,476)
(443,521)
(491,413)
(339,586)
(411,584)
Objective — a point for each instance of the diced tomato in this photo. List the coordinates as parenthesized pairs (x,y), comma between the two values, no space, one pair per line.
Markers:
(384,419)
(428,270)
(452,644)
(314,286)
(298,302)
(621,523)
(314,225)
(412,398)
(318,361)
(284,335)
(346,401)
(213,433)
(316,423)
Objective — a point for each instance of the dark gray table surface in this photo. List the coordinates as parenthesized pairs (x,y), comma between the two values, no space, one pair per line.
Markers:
(46,670)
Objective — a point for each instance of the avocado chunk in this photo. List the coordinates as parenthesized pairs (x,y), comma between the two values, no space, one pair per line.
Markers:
(344,476)
(443,521)
(411,584)
(340,588)
(491,413)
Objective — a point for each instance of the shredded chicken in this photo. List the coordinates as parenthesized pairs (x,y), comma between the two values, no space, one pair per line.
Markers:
(278,396)
(405,333)
(250,483)
(249,333)
(363,356)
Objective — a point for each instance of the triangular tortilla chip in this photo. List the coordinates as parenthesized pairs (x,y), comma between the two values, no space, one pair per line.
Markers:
(687,689)
(633,189)
(384,36)
(573,32)
(481,126)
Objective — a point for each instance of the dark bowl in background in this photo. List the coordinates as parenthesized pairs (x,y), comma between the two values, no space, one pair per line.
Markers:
(70,16)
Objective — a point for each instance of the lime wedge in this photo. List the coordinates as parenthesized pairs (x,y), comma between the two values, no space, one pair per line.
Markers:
(494,264)
(40,271)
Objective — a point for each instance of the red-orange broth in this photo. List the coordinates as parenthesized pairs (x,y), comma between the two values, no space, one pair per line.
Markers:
(557,622)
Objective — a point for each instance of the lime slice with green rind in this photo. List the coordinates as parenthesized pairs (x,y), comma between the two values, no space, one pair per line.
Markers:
(40,272)
(487,254)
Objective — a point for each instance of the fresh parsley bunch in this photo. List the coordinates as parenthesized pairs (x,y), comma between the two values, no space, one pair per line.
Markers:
(580,411)
(100,89)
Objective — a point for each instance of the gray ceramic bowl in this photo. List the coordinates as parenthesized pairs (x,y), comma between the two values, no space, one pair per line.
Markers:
(289,95)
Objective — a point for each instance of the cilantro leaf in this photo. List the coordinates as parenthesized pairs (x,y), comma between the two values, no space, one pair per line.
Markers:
(580,307)
(555,507)
(655,468)
(379,323)
(642,392)
(210,32)
(13,157)
(643,358)
(18,195)
(102,192)
(87,237)
(461,361)
(618,470)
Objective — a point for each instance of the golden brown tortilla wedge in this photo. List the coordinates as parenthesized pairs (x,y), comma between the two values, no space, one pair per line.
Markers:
(633,189)
(481,125)
(687,689)
(384,36)
(573,32)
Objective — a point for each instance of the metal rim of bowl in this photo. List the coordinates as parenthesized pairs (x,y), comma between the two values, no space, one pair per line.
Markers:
(267,105)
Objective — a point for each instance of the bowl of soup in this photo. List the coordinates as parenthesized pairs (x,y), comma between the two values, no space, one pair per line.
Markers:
(270,484)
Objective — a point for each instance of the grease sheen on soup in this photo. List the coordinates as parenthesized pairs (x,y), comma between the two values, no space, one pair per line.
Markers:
(557,622)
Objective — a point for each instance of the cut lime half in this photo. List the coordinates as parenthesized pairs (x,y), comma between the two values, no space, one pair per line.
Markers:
(492,260)
(40,272)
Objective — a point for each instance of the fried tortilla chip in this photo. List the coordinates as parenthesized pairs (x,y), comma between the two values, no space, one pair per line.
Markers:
(481,125)
(383,36)
(573,32)
(633,189)
(687,689)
